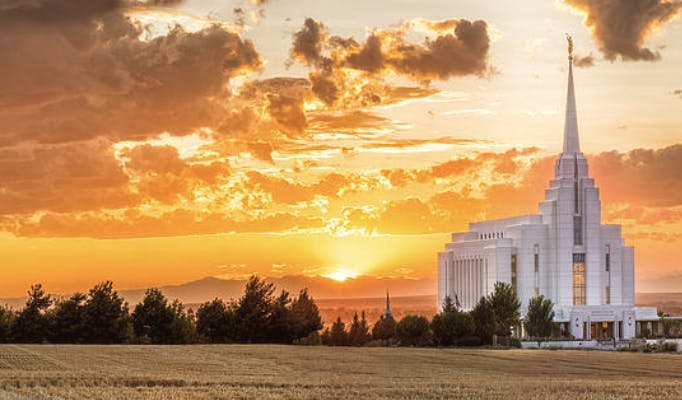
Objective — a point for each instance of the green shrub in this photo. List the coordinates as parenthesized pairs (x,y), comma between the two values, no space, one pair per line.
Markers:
(313,339)
(670,346)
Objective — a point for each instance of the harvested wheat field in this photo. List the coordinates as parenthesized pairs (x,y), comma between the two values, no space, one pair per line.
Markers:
(291,372)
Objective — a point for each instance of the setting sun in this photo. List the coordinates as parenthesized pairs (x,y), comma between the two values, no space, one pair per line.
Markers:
(340,275)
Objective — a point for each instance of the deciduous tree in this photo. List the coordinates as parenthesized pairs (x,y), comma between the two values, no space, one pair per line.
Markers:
(385,330)
(539,318)
(484,320)
(506,306)
(413,330)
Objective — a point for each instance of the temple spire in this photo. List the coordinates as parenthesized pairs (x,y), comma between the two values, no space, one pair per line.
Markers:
(571,140)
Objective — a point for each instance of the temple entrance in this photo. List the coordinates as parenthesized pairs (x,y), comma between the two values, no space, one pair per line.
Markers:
(601,330)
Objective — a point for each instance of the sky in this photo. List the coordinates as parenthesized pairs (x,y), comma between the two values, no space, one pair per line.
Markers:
(158,142)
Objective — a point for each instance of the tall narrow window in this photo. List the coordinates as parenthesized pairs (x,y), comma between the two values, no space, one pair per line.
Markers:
(578,279)
(513,271)
(577,230)
(536,268)
(607,267)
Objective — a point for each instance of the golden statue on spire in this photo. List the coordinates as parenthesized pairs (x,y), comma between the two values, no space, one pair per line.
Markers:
(570,45)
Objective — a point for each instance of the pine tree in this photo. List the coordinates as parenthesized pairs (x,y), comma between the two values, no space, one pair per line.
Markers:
(7,317)
(153,317)
(358,333)
(215,321)
(280,329)
(448,305)
(338,335)
(305,315)
(105,316)
(69,320)
(32,324)
(253,310)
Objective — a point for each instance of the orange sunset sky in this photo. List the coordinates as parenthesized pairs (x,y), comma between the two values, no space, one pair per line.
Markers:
(158,142)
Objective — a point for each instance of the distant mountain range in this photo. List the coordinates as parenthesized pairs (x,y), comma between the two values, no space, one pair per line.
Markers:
(319,287)
(364,292)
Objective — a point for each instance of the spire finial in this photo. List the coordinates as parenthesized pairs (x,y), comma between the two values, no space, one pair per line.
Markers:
(570,46)
(571,141)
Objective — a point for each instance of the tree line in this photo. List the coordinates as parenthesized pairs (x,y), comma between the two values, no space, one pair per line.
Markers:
(101,316)
(496,314)
(260,315)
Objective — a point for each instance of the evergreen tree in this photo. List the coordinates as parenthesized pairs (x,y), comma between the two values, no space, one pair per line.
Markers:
(215,321)
(326,337)
(413,330)
(183,329)
(153,317)
(484,320)
(305,315)
(385,330)
(253,310)
(6,321)
(105,316)
(280,329)
(338,335)
(32,324)
(69,320)
(506,306)
(539,318)
(448,305)
(358,333)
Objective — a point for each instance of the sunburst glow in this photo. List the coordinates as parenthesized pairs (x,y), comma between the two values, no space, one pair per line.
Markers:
(340,275)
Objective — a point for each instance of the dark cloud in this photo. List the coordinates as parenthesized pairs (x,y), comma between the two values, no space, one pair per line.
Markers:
(678,93)
(283,100)
(307,44)
(620,28)
(460,48)
(78,69)
(583,61)
(462,52)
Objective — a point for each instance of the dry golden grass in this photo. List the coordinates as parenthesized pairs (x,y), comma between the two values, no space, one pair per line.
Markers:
(290,372)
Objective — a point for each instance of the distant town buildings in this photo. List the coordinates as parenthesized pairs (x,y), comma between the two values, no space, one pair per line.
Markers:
(564,253)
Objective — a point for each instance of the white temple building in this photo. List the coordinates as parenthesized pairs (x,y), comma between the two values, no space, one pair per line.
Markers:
(564,253)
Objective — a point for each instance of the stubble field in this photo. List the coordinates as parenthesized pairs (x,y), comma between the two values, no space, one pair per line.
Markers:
(290,372)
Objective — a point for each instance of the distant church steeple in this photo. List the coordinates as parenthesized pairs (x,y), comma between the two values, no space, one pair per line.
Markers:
(387,313)
(571,140)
